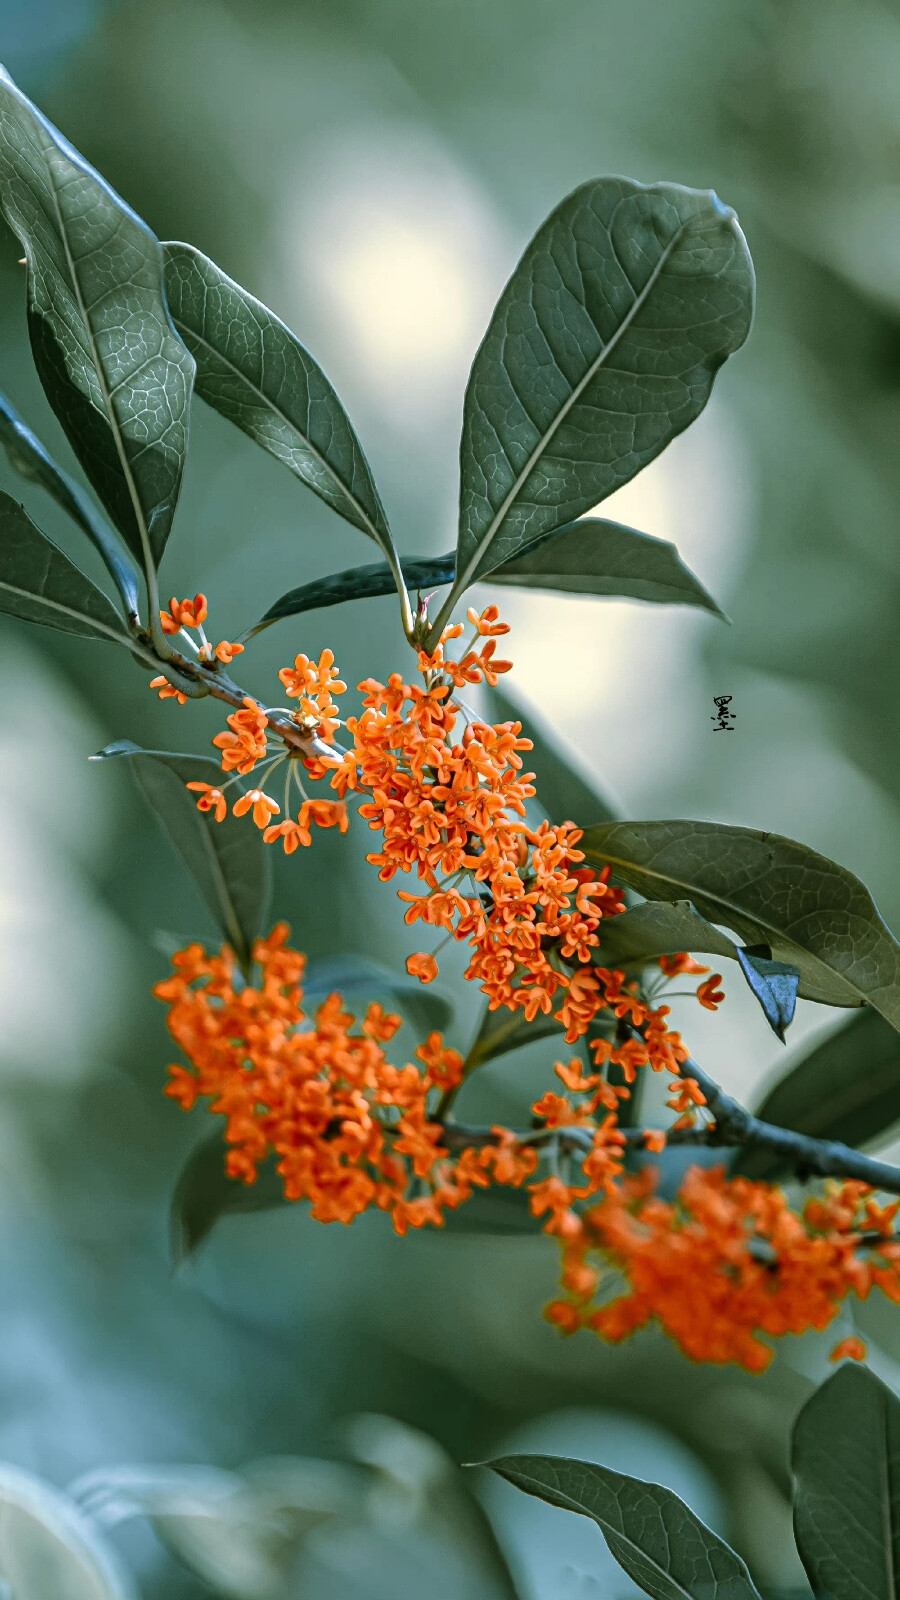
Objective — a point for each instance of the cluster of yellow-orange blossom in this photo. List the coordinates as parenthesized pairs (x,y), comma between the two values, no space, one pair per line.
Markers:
(447,794)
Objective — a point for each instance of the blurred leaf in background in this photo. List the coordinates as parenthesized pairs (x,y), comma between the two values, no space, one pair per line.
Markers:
(372,171)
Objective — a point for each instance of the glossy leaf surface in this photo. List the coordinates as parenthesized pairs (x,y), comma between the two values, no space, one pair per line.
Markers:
(653,1535)
(27,456)
(565,793)
(40,584)
(603,347)
(357,583)
(598,557)
(846,1088)
(769,890)
(114,371)
(590,557)
(253,370)
(846,1462)
(655,929)
(775,985)
(227,859)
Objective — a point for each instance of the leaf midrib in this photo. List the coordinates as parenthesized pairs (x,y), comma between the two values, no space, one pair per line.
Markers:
(68,611)
(112,418)
(464,577)
(617,1533)
(691,892)
(370,527)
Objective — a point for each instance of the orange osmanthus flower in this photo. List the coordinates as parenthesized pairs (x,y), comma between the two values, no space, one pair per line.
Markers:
(167,690)
(851,1349)
(709,994)
(211,799)
(422,966)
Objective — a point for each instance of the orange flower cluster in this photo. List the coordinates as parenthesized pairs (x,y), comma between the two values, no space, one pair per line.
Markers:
(729,1260)
(349,1129)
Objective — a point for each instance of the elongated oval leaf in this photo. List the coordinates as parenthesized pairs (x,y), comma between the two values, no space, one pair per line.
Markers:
(204,1193)
(590,557)
(227,860)
(596,557)
(653,1535)
(847,1088)
(846,1462)
(27,456)
(359,977)
(603,347)
(255,372)
(40,584)
(357,583)
(112,366)
(500,1033)
(770,890)
(775,985)
(564,793)
(655,929)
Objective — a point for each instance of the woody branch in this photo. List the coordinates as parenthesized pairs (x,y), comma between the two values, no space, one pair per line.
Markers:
(734,1126)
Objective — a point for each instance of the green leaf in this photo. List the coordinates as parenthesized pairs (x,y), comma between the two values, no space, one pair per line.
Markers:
(846,1462)
(603,347)
(227,860)
(847,1088)
(40,584)
(562,791)
(646,932)
(114,371)
(775,985)
(204,1193)
(653,1535)
(769,890)
(358,976)
(501,1032)
(596,557)
(357,583)
(27,456)
(590,557)
(255,372)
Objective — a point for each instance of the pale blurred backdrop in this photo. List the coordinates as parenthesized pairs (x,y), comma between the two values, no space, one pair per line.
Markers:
(372,169)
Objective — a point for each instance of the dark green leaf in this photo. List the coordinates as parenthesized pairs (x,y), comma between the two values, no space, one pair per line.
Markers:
(495,1210)
(596,557)
(204,1193)
(361,976)
(775,985)
(847,1088)
(227,859)
(655,929)
(846,1462)
(255,372)
(603,347)
(590,557)
(27,456)
(653,1535)
(502,1032)
(357,583)
(810,912)
(40,584)
(114,371)
(562,791)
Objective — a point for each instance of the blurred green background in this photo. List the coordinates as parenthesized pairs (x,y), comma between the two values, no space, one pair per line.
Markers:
(372,169)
